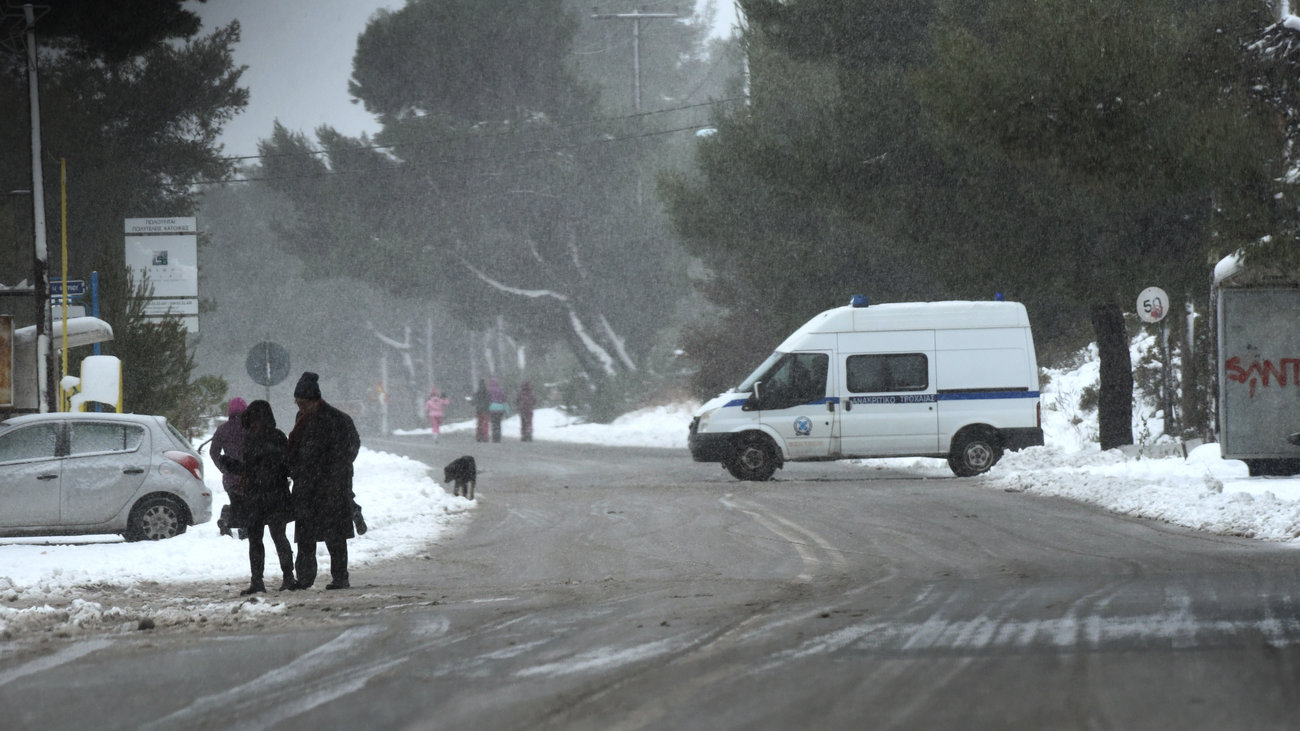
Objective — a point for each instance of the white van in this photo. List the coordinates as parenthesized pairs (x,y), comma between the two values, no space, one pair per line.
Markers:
(918,379)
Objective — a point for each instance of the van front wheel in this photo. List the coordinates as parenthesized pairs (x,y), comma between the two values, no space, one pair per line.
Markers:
(755,458)
(974,453)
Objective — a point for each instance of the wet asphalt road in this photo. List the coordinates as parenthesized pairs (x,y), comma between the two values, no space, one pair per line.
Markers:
(605,588)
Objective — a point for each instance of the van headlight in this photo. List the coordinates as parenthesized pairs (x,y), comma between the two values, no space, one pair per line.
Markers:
(703,422)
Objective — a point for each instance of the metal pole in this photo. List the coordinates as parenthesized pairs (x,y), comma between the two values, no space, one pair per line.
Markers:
(63,287)
(636,63)
(383,392)
(266,359)
(41,264)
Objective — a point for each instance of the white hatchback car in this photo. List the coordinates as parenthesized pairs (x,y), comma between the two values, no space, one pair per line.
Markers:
(88,473)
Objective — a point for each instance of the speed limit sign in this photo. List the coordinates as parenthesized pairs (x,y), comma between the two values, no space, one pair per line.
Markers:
(1152,304)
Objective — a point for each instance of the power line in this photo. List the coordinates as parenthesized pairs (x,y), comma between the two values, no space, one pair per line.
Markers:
(566,125)
(452,160)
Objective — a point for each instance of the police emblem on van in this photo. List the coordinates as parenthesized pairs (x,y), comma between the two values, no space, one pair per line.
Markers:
(803,426)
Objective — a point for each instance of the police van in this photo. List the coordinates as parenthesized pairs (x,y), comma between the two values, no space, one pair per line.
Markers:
(955,380)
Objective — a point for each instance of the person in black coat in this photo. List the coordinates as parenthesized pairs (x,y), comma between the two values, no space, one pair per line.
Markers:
(266,500)
(322,446)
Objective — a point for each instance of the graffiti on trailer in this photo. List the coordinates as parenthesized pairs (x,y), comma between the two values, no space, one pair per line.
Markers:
(1263,372)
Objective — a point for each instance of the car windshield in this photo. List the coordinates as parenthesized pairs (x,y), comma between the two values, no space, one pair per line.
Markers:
(759,373)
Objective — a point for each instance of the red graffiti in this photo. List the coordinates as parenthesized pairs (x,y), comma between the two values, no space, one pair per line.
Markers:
(1263,372)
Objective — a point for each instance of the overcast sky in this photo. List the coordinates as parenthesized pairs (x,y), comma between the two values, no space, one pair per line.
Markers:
(299,58)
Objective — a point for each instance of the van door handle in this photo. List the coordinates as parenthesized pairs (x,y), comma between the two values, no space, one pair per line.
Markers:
(46,477)
(132,471)
(848,405)
(830,406)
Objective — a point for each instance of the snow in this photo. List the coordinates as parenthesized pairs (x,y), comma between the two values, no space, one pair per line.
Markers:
(407,509)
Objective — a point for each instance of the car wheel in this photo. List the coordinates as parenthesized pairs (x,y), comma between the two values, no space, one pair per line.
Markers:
(974,453)
(755,458)
(154,519)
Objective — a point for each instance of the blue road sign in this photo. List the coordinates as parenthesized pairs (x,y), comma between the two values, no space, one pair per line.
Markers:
(76,288)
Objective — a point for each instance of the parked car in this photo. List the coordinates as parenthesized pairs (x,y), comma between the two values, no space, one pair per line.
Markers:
(91,473)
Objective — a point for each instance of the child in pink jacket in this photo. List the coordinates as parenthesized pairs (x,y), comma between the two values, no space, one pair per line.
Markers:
(434,406)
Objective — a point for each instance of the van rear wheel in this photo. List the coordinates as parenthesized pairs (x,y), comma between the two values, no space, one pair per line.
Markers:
(755,458)
(974,453)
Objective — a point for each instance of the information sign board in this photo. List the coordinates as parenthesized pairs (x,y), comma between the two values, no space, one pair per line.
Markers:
(172,225)
(170,262)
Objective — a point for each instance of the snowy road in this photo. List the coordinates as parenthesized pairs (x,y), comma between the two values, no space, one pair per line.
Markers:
(611,588)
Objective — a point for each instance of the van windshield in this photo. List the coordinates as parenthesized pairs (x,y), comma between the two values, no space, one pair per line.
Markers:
(747,385)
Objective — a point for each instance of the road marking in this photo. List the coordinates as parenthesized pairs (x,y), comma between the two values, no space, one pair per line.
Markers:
(801,538)
(286,679)
(603,658)
(49,662)
(1174,625)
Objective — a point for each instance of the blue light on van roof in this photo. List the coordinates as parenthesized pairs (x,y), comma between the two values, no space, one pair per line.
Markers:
(997,297)
(859,300)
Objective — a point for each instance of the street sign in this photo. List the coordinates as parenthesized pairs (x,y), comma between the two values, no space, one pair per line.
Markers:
(76,288)
(1152,304)
(166,225)
(267,364)
(157,307)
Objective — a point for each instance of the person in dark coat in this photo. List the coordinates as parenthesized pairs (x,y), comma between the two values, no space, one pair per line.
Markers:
(322,446)
(497,407)
(482,408)
(266,493)
(228,455)
(525,402)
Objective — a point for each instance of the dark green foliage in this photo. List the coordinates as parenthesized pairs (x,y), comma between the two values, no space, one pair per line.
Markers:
(1063,153)
(467,59)
(502,190)
(108,31)
(133,99)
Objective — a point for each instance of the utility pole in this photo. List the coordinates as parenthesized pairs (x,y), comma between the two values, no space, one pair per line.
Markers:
(636,17)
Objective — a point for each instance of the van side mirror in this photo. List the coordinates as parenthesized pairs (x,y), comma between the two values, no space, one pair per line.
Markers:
(751,403)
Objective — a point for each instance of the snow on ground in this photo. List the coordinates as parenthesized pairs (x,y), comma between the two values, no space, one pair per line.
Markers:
(406,508)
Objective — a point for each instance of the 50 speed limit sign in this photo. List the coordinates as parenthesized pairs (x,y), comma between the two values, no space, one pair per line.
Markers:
(1152,304)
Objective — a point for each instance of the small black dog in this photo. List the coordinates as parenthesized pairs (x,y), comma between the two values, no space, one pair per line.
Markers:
(463,474)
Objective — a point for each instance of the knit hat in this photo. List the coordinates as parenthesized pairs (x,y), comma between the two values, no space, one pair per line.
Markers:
(236,407)
(307,387)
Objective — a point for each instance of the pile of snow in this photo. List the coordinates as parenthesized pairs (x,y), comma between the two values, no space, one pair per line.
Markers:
(404,507)
(657,426)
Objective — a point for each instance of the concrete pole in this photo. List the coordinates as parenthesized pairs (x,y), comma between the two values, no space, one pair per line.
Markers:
(41,274)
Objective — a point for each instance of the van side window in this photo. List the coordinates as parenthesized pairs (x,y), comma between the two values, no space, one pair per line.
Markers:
(887,372)
(795,379)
